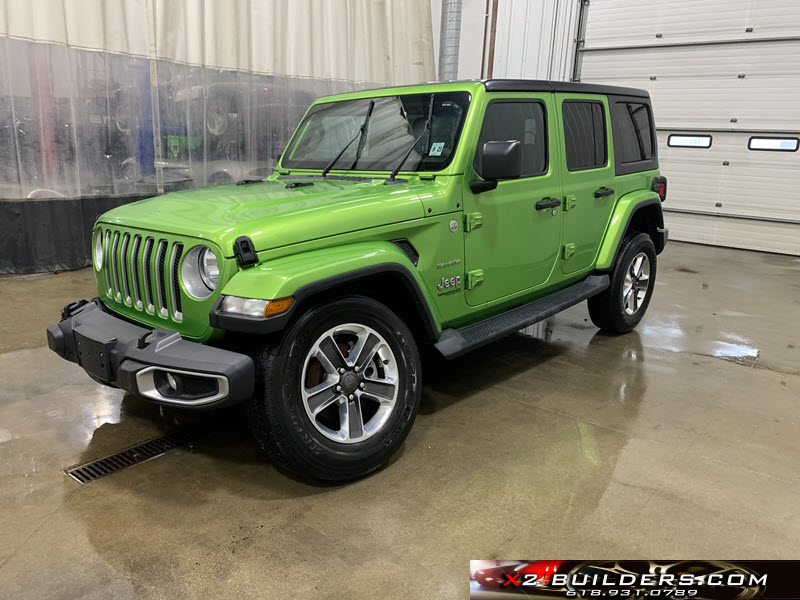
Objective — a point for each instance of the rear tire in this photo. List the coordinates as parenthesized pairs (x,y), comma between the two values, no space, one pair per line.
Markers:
(620,307)
(316,421)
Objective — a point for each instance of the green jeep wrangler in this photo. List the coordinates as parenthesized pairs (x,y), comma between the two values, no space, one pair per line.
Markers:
(447,213)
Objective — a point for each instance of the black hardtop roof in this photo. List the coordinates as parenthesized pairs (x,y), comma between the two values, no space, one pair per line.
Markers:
(517,85)
(536,85)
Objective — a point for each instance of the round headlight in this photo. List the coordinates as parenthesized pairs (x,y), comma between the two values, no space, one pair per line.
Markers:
(200,272)
(209,269)
(98,249)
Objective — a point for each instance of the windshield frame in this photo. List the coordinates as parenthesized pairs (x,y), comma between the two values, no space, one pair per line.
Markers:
(467,102)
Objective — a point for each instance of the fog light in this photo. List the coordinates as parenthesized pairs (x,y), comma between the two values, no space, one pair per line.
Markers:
(173,385)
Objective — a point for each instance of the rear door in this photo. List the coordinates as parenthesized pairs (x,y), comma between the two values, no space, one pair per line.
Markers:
(516,246)
(587,175)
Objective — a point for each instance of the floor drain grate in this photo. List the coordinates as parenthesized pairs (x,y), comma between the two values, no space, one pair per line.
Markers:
(131,456)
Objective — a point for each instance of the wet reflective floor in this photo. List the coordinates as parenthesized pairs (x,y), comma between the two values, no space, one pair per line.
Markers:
(679,440)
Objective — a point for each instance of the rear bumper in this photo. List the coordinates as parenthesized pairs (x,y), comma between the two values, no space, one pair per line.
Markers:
(662,235)
(121,354)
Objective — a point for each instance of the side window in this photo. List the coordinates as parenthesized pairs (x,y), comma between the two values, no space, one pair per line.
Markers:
(584,134)
(633,125)
(516,120)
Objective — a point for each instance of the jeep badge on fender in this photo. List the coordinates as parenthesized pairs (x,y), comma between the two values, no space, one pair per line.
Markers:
(452,282)
(305,295)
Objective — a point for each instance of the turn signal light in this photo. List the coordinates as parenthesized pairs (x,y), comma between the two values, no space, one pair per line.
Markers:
(278,307)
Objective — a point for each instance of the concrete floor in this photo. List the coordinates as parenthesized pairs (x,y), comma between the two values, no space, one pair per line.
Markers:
(680,440)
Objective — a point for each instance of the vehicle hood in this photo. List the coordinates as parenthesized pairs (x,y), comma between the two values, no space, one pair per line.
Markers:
(271,214)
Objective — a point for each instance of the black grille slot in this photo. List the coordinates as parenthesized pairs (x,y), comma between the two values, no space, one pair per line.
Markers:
(408,250)
(107,262)
(148,279)
(123,268)
(114,266)
(94,470)
(162,288)
(135,273)
(174,283)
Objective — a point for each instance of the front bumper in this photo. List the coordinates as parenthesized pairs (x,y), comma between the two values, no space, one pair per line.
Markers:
(139,360)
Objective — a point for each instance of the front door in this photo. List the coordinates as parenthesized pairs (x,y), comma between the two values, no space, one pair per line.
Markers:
(588,176)
(517,244)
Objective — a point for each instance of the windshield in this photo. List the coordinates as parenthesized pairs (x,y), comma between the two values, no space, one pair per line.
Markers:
(388,133)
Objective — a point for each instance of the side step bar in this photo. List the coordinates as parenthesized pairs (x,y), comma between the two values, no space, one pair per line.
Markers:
(455,342)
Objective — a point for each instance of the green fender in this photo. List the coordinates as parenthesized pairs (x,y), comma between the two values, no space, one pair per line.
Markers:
(309,272)
(623,212)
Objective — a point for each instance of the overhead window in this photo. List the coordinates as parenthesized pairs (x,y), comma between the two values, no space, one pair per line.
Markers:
(584,134)
(775,144)
(689,141)
(516,120)
(633,124)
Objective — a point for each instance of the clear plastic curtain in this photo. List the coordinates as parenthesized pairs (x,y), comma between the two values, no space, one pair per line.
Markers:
(80,123)
(81,114)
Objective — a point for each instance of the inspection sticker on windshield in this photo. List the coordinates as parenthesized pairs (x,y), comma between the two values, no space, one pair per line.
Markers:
(436,149)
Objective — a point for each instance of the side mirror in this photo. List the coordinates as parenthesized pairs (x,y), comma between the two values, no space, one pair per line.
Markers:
(501,160)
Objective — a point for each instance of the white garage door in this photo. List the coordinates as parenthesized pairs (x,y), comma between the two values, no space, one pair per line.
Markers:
(724,76)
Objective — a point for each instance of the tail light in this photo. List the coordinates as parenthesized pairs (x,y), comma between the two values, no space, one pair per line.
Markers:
(660,187)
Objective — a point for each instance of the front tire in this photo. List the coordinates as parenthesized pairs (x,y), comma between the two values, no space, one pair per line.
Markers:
(338,394)
(620,307)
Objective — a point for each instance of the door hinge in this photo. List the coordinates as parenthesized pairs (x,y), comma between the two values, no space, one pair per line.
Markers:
(474,278)
(568,251)
(569,202)
(472,221)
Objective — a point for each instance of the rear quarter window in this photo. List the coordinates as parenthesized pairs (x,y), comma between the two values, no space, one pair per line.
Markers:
(635,129)
(634,132)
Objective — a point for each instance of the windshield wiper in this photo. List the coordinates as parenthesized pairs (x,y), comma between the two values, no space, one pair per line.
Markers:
(355,137)
(416,141)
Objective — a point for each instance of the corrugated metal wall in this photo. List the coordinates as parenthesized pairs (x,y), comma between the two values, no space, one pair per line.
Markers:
(535,39)
(728,69)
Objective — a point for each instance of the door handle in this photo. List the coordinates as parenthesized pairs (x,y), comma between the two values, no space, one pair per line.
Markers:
(548,203)
(602,192)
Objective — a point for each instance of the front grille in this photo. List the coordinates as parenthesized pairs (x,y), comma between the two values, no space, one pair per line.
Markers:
(142,272)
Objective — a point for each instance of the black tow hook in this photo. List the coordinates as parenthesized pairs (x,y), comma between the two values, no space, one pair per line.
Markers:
(142,341)
(71,308)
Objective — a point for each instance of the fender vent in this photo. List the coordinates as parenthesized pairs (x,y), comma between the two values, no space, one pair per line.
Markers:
(97,469)
(408,250)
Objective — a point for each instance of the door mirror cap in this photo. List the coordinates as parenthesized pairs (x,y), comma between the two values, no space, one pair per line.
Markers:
(501,160)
